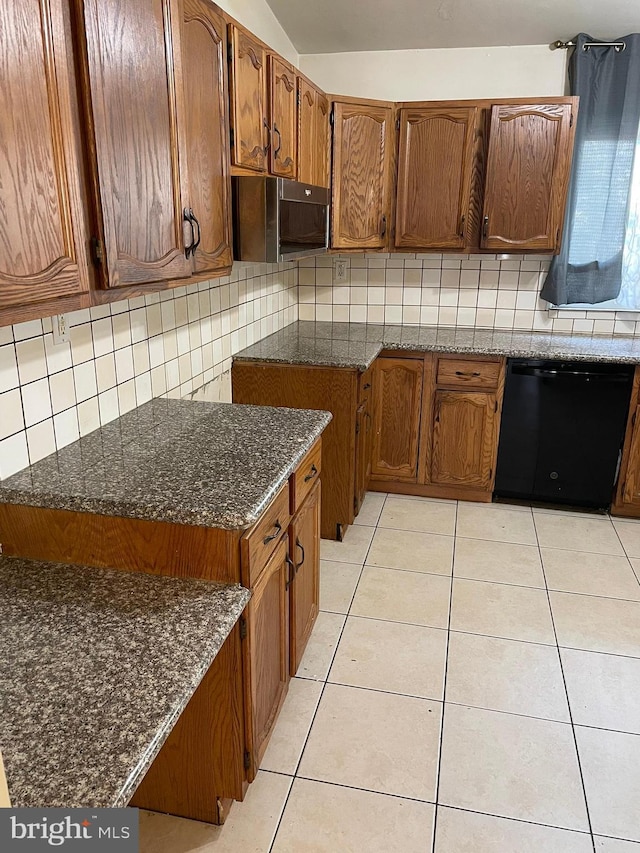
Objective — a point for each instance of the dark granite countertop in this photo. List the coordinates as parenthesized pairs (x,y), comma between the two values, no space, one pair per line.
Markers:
(356,345)
(96,667)
(205,464)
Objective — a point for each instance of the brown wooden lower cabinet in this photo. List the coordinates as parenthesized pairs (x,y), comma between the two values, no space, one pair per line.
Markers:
(436,424)
(304,592)
(626,500)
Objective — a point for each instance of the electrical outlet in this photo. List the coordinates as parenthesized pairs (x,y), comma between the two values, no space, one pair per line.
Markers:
(60,329)
(340,271)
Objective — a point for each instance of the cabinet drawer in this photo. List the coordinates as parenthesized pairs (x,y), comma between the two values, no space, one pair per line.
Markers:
(262,540)
(478,374)
(305,476)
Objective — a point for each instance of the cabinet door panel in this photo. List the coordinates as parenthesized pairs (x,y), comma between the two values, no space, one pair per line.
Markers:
(248,107)
(361,173)
(268,637)
(397,394)
(307,97)
(631,488)
(322,138)
(42,239)
(527,176)
(206,131)
(304,592)
(283,119)
(135,91)
(434,177)
(463,438)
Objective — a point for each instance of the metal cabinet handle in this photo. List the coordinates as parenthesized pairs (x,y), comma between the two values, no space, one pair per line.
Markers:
(268,145)
(485,227)
(301,546)
(311,474)
(462,221)
(279,145)
(194,220)
(366,386)
(463,373)
(189,250)
(291,573)
(277,527)
(383,226)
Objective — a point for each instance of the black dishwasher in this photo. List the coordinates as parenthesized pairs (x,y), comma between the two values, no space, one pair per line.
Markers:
(562,429)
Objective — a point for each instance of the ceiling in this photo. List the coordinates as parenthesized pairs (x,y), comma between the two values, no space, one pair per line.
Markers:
(335,26)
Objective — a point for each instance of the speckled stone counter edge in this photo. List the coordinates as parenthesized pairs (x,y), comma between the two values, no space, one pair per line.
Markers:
(296,344)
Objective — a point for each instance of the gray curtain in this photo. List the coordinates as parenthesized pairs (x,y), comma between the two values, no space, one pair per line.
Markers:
(589,266)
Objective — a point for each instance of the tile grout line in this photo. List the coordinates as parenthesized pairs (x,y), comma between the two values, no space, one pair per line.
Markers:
(324,686)
(444,686)
(566,690)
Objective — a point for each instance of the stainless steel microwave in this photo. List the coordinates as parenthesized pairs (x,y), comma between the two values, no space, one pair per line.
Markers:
(278,220)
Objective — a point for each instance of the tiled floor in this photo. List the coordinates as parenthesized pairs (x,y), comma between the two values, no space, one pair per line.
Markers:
(472,686)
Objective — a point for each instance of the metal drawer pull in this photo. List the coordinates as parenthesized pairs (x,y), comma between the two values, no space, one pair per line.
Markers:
(366,386)
(277,527)
(311,475)
(300,545)
(463,373)
(291,574)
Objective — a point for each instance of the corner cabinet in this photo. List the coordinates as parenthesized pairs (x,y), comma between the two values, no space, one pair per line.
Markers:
(435,166)
(42,221)
(363,143)
(314,135)
(436,424)
(528,165)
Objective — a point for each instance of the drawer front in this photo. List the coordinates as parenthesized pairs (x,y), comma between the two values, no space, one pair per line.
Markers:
(260,543)
(305,476)
(467,373)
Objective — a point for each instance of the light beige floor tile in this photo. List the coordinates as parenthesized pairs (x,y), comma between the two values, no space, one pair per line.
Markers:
(501,562)
(423,499)
(629,533)
(499,610)
(415,552)
(291,730)
(590,574)
(511,766)
(506,675)
(594,534)
(615,845)
(496,522)
(321,818)
(611,770)
(604,690)
(391,656)
(467,832)
(597,624)
(416,515)
(249,828)
(338,583)
(379,741)
(322,644)
(371,508)
(403,597)
(352,549)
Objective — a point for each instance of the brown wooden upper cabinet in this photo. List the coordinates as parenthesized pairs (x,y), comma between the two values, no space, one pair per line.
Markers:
(362,161)
(42,227)
(435,164)
(528,163)
(204,58)
(282,109)
(248,82)
(314,135)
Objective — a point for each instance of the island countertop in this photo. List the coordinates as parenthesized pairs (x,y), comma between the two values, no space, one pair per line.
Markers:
(204,464)
(356,345)
(96,667)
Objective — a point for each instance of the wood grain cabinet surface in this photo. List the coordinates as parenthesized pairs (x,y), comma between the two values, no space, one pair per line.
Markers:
(626,501)
(314,135)
(304,589)
(397,409)
(282,108)
(42,222)
(248,82)
(528,165)
(363,141)
(435,169)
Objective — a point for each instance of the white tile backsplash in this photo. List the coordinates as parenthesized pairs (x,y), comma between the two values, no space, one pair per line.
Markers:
(484,291)
(122,354)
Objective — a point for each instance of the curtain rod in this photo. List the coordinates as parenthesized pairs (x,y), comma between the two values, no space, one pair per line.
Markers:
(564,45)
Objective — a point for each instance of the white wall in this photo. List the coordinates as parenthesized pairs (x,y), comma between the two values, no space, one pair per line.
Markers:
(257,16)
(453,73)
